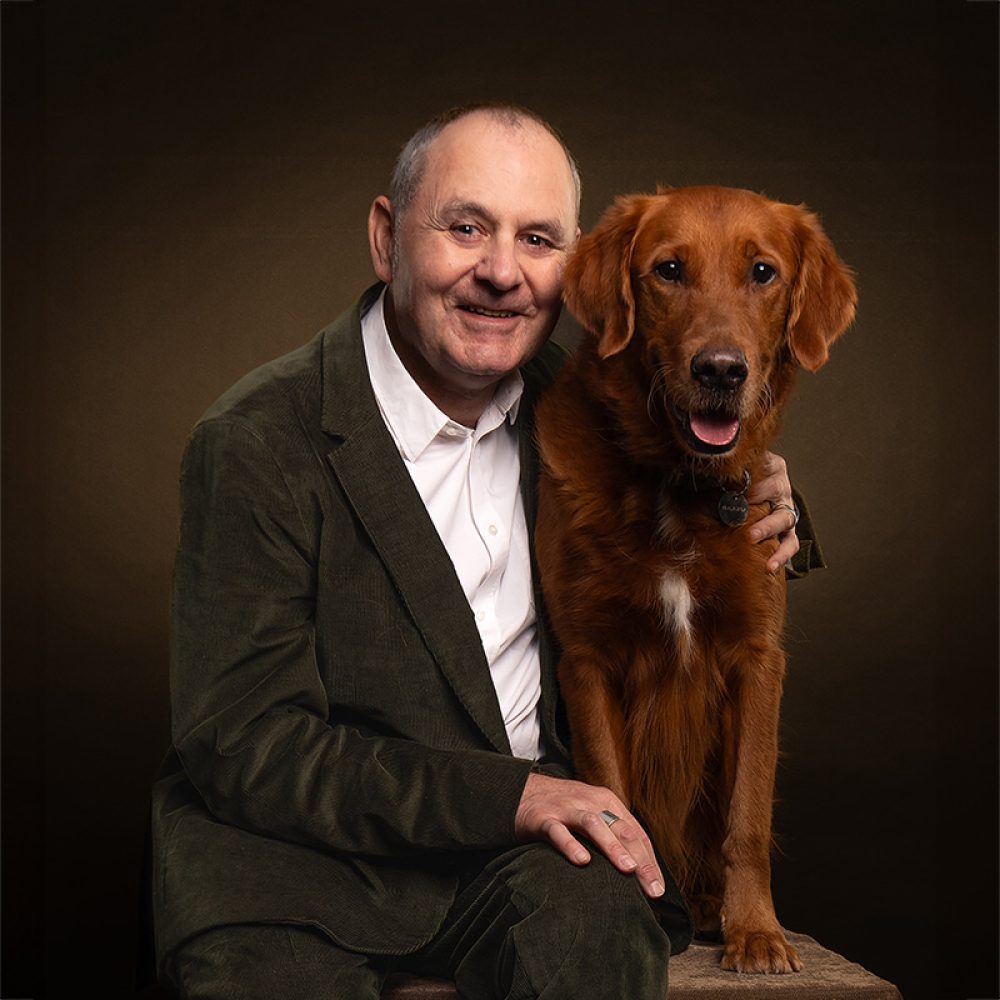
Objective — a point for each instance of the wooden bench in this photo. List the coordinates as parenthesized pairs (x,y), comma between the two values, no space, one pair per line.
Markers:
(696,975)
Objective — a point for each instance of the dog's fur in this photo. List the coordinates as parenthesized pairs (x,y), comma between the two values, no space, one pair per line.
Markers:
(669,624)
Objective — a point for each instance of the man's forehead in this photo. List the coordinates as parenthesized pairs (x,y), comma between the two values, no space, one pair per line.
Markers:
(479,159)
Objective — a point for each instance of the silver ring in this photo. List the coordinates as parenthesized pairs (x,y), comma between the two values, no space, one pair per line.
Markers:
(609,817)
(791,510)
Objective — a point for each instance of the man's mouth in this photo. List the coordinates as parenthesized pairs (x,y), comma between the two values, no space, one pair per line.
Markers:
(489,313)
(711,432)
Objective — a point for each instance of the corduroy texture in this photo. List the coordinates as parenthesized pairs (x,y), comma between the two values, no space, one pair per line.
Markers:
(530,926)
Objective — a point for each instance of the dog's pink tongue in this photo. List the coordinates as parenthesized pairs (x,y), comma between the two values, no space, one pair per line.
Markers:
(715,430)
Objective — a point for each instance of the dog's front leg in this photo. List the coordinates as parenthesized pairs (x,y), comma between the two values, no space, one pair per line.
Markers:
(597,725)
(754,941)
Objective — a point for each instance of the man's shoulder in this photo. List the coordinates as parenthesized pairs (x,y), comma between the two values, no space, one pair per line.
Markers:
(284,383)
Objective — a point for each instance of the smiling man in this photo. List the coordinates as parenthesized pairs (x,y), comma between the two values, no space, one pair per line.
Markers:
(474,262)
(368,771)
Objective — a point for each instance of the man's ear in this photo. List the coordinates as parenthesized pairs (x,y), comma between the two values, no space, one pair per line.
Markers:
(381,237)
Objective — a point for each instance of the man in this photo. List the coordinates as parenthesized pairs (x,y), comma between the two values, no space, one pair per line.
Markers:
(368,770)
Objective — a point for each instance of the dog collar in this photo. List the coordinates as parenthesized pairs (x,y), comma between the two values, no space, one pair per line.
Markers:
(733,507)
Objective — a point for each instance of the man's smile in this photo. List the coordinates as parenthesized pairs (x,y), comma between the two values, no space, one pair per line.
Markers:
(490,313)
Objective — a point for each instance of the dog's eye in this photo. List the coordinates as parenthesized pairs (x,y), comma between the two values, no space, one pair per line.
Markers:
(762,274)
(670,270)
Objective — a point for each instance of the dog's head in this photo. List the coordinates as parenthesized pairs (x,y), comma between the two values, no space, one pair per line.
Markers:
(713,293)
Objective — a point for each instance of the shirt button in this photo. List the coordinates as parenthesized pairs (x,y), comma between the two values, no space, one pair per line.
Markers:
(492,529)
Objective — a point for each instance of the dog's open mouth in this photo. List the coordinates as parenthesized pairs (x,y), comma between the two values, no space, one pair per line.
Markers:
(711,432)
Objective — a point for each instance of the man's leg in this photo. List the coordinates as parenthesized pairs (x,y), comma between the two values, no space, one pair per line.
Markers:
(532,925)
(270,961)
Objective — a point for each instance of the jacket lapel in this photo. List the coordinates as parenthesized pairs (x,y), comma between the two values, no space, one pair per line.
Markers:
(371,472)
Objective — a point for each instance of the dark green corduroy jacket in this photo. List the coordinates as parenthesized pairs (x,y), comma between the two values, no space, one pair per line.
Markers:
(336,732)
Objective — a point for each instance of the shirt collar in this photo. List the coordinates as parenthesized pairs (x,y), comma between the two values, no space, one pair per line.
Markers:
(413,420)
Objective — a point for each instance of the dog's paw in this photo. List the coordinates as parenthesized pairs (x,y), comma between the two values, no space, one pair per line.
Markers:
(759,951)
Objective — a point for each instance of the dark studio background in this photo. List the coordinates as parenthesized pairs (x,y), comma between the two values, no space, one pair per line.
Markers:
(185,186)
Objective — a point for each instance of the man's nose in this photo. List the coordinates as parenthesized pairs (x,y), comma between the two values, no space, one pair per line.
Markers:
(499,264)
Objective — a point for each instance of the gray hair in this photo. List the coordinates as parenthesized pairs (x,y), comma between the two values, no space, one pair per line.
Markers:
(409,169)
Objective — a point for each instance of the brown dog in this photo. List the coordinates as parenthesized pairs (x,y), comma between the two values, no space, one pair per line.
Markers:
(698,305)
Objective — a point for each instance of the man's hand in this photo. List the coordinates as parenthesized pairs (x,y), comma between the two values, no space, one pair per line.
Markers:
(553,809)
(775,489)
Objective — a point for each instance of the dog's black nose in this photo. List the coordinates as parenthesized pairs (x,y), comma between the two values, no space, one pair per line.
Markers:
(719,368)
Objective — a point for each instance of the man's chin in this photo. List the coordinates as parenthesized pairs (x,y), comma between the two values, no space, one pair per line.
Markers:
(490,367)
(497,356)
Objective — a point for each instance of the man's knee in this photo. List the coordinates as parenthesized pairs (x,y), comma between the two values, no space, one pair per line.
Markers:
(594,902)
(542,873)
(585,931)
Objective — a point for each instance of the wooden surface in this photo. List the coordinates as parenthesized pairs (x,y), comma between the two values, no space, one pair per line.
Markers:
(696,975)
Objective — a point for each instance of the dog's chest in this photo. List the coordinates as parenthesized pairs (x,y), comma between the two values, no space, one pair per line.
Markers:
(678,556)
(676,603)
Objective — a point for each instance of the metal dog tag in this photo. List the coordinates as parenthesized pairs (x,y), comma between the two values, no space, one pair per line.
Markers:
(733,508)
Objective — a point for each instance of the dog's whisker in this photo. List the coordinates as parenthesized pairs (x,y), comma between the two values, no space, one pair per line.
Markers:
(658,387)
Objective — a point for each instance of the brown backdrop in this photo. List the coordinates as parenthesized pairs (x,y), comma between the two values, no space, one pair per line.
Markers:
(185,190)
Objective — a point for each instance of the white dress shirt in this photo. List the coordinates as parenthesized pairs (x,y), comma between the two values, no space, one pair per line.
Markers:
(469,480)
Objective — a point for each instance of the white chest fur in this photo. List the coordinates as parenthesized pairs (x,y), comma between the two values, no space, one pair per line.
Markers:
(676,603)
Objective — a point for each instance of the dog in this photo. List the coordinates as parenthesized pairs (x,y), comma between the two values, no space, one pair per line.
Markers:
(698,306)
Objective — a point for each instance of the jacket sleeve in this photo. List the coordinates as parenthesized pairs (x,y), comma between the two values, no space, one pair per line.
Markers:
(251,715)
(810,554)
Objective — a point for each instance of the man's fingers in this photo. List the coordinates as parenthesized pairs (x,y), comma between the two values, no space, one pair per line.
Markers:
(774,488)
(558,809)
(628,848)
(634,839)
(779,524)
(789,545)
(604,838)
(563,841)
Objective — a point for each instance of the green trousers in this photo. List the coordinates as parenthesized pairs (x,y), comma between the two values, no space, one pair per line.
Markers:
(529,925)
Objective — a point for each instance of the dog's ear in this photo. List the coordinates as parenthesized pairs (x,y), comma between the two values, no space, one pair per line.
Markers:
(823,296)
(598,285)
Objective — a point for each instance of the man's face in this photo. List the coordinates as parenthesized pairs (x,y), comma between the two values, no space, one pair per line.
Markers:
(475,265)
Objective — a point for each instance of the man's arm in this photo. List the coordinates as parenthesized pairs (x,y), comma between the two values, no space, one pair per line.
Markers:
(251,715)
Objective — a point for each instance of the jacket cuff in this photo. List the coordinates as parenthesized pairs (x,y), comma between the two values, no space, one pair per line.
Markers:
(810,554)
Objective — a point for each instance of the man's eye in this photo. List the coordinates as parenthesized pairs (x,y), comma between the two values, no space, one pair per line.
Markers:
(464,229)
(534,240)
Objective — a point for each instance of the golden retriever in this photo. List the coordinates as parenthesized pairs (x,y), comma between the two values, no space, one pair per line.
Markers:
(698,306)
